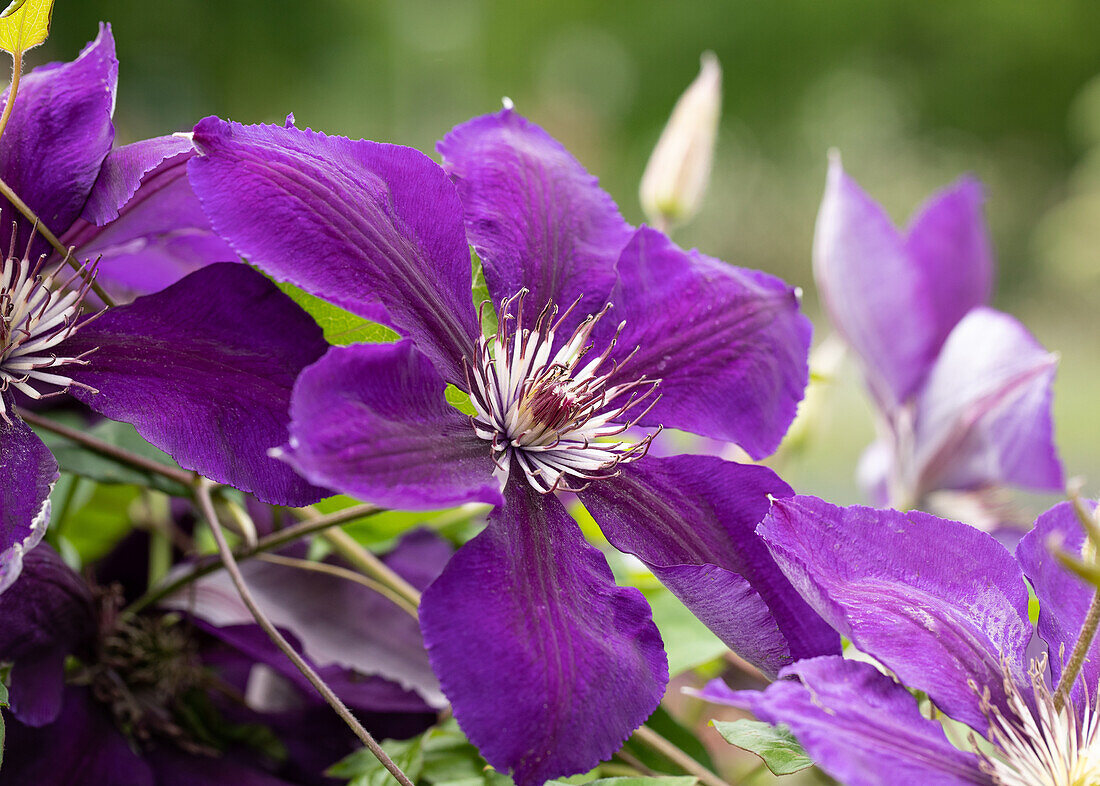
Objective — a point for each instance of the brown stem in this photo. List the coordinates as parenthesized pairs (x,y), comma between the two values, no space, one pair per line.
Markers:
(206,504)
(16,73)
(658,743)
(96,445)
(51,238)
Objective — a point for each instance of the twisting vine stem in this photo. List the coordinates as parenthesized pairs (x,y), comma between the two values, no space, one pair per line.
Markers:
(206,505)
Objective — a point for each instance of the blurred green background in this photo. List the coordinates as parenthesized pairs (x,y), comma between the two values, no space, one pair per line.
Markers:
(912,94)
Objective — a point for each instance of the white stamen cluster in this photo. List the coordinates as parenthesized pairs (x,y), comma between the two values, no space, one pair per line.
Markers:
(36,314)
(1044,747)
(544,411)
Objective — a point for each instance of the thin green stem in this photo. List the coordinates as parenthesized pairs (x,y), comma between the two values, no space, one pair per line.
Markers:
(362,559)
(265,544)
(206,504)
(1088,629)
(16,73)
(96,445)
(51,238)
(667,749)
(341,573)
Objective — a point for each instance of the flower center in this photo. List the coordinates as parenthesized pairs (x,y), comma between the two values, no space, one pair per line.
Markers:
(551,413)
(36,314)
(1044,746)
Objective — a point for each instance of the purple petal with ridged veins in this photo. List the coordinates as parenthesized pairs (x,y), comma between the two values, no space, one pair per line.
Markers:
(549,665)
(28,470)
(371,420)
(729,345)
(535,216)
(984,415)
(895,298)
(692,520)
(143,222)
(1064,598)
(204,371)
(937,602)
(365,225)
(59,133)
(858,725)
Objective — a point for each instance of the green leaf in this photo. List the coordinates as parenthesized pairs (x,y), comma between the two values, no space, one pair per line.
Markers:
(774,744)
(86,463)
(25,24)
(97,526)
(688,642)
(661,780)
(481,295)
(340,327)
(365,770)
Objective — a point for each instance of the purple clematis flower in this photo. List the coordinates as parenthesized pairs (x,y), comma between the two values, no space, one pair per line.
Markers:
(132,206)
(151,701)
(203,369)
(963,391)
(547,663)
(944,607)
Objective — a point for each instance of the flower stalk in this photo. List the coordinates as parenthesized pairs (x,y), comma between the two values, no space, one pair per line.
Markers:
(202,488)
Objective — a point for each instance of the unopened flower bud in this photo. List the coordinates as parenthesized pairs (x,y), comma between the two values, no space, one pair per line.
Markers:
(676,176)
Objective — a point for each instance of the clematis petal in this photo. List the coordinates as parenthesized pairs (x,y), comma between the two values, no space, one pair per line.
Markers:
(948,242)
(729,345)
(375,228)
(370,634)
(895,298)
(858,725)
(176,768)
(1064,598)
(81,746)
(940,604)
(691,519)
(28,470)
(47,615)
(59,133)
(984,415)
(548,664)
(143,222)
(371,420)
(535,216)
(204,370)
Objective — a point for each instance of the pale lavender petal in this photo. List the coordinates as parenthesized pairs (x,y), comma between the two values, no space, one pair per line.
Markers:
(339,622)
(123,171)
(535,216)
(729,345)
(59,133)
(81,747)
(984,415)
(143,222)
(858,725)
(365,225)
(692,520)
(28,470)
(937,602)
(371,420)
(48,615)
(1064,598)
(204,370)
(895,298)
(549,665)
(948,242)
